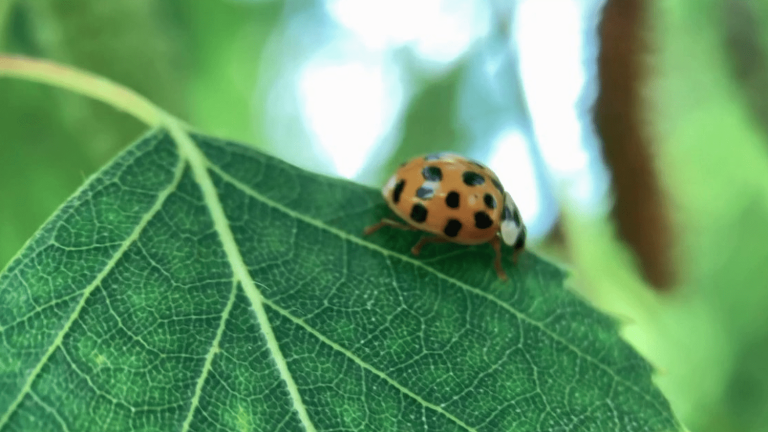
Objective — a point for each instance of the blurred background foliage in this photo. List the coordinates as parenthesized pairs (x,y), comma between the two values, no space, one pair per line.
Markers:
(657,200)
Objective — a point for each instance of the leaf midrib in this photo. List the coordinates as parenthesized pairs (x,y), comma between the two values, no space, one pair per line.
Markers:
(200,164)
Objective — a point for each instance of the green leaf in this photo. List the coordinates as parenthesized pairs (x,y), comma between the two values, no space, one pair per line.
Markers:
(155,301)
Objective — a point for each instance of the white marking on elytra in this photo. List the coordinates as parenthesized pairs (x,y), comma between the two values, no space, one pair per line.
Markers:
(389,186)
(509,229)
(509,232)
(391,182)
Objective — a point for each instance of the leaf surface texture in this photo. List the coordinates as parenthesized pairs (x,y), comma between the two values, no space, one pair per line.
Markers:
(129,311)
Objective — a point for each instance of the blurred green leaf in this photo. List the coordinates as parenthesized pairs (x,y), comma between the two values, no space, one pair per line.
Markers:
(41,162)
(225,44)
(429,125)
(51,140)
(126,312)
(713,165)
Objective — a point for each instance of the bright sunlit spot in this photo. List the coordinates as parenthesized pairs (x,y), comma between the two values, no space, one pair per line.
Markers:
(350,99)
(551,54)
(439,30)
(511,160)
(380,24)
(348,105)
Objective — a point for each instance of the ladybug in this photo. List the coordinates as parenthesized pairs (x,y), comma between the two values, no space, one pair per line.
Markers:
(457,199)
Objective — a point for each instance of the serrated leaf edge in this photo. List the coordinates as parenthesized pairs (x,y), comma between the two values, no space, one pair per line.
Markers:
(417,263)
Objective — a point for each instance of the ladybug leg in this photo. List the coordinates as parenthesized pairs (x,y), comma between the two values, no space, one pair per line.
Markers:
(416,249)
(496,243)
(387,222)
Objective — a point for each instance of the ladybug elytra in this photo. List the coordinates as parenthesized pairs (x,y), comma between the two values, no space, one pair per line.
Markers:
(457,199)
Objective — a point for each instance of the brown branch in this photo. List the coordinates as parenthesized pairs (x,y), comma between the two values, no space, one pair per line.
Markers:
(640,210)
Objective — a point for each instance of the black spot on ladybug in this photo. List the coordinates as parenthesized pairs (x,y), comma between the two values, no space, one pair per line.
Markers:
(452,199)
(482,220)
(520,242)
(490,201)
(433,156)
(398,190)
(432,173)
(418,213)
(472,178)
(452,228)
(425,192)
(498,185)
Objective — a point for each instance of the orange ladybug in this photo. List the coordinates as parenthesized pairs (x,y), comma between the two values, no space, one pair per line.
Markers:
(457,199)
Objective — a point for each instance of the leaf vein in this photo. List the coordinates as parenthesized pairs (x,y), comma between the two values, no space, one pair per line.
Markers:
(50,409)
(366,365)
(37,310)
(209,358)
(200,165)
(471,289)
(87,292)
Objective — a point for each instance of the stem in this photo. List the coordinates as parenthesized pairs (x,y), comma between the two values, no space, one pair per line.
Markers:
(102,89)
(85,83)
